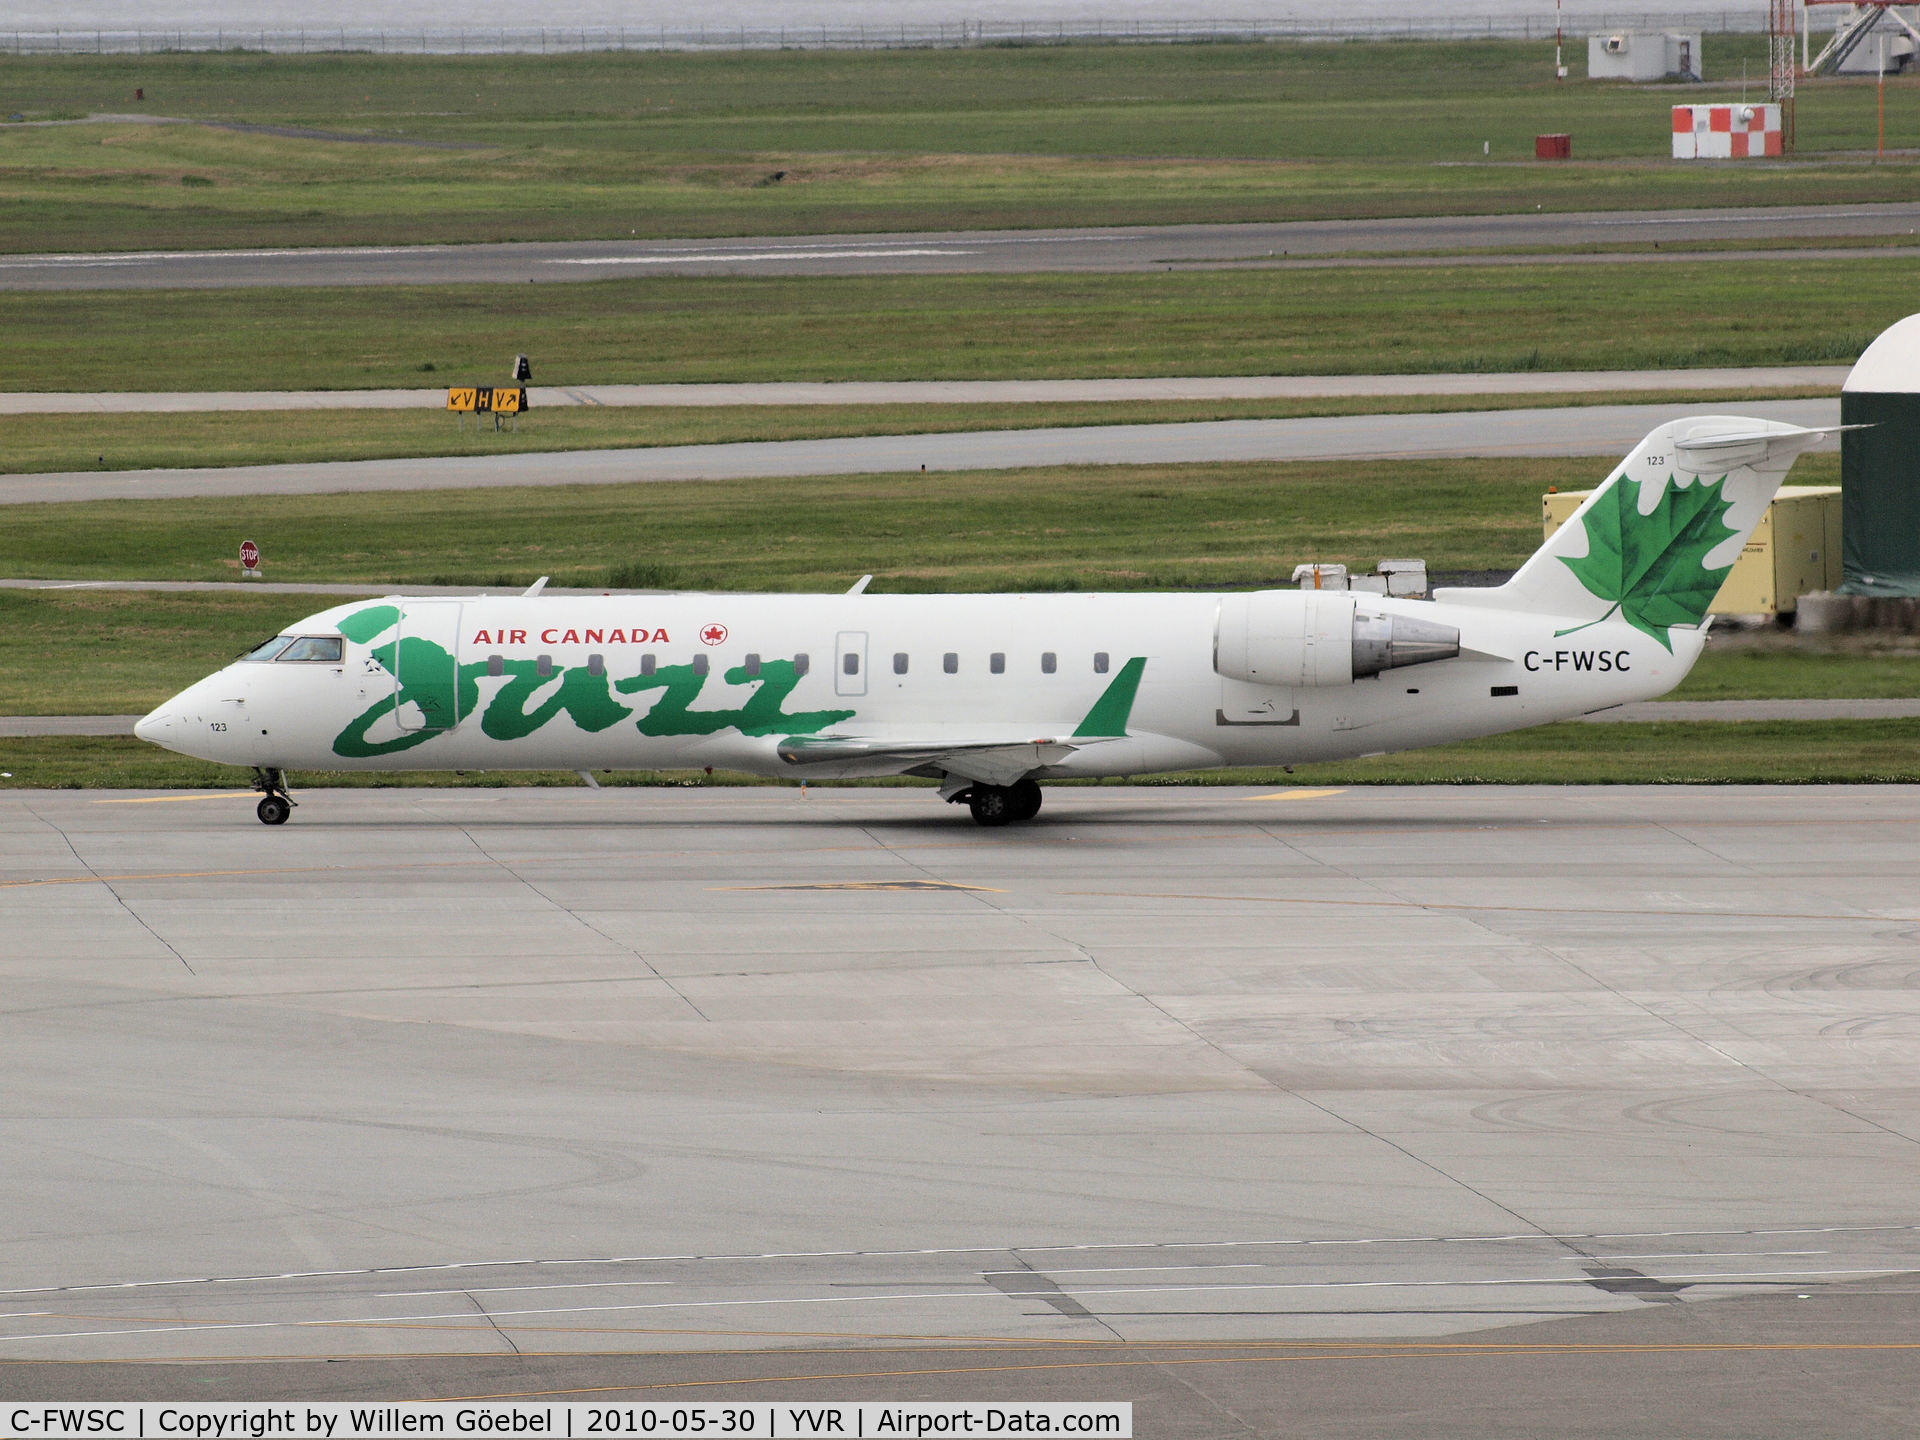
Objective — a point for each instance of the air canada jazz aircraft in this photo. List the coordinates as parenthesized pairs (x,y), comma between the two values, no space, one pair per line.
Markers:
(990,694)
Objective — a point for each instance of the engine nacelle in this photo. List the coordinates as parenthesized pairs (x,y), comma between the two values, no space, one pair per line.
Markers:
(1315,638)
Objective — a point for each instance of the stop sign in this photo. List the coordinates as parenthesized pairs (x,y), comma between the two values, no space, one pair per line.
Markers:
(249,555)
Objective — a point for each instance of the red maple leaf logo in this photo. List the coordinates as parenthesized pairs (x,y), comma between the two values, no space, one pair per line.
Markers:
(714,635)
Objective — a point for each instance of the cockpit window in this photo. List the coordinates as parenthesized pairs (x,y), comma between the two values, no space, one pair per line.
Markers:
(268,649)
(324,648)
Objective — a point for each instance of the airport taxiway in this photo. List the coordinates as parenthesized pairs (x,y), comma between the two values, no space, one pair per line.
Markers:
(1005,252)
(952,392)
(1608,430)
(711,1071)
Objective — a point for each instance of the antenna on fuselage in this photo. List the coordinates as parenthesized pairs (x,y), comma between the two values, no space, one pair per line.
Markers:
(536,587)
(861,584)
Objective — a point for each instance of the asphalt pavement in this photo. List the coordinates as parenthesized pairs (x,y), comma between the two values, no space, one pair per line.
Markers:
(1599,430)
(1389,241)
(1489,1111)
(954,392)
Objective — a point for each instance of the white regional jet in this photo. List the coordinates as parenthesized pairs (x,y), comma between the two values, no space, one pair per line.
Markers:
(990,694)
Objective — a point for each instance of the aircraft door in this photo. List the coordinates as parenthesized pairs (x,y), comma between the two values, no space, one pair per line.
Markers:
(426,666)
(850,663)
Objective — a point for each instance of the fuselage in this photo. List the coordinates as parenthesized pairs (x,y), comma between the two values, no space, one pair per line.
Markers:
(622,682)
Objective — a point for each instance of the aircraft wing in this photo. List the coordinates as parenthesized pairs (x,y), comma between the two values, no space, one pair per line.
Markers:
(990,762)
(984,759)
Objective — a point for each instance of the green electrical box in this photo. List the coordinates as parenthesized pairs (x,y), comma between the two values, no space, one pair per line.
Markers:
(1880,466)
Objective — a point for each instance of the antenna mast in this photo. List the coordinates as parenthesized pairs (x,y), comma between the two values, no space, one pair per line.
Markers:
(1780,67)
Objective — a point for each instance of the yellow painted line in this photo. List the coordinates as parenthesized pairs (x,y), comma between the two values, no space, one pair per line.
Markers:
(1385,903)
(1352,1351)
(1297,795)
(175,799)
(227,874)
(1165,1353)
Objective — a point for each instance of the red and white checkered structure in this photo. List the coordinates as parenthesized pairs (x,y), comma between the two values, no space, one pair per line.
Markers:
(1725,132)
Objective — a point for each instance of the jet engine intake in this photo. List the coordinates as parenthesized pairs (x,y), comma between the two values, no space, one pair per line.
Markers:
(1317,638)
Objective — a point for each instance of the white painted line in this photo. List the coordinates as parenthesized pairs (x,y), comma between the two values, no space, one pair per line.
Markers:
(1735,218)
(1149,1246)
(504,1289)
(472,1319)
(148,257)
(730,257)
(1698,1255)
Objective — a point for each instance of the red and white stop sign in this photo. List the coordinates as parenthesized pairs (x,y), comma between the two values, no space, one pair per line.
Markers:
(249,555)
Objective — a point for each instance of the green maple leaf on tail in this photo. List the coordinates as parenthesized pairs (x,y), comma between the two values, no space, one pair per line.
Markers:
(1653,567)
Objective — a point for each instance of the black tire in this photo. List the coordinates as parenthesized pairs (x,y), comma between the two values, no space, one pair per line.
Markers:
(991,804)
(1025,795)
(273,810)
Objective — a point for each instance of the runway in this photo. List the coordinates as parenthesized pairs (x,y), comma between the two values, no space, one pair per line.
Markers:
(1388,241)
(950,392)
(704,1073)
(1606,430)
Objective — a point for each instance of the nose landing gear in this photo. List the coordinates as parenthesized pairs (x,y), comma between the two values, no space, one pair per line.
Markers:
(1002,804)
(275,803)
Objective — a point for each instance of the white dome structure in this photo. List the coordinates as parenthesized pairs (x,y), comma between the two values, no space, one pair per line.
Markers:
(1891,364)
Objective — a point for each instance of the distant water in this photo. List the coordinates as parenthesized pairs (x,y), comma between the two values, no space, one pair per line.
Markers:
(240,16)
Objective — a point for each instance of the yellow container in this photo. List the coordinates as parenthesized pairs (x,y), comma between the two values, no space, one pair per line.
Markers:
(1794,549)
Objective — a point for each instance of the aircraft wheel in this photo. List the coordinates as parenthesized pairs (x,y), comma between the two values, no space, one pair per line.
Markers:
(991,804)
(1025,798)
(273,810)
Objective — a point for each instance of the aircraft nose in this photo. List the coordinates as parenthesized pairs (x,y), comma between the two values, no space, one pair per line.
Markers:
(156,726)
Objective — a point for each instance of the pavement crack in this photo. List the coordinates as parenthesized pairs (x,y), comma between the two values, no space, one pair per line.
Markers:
(1029,1283)
(107,885)
(586,924)
(487,1315)
(1369,1132)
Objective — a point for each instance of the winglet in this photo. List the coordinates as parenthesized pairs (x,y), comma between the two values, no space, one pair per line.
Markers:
(1108,717)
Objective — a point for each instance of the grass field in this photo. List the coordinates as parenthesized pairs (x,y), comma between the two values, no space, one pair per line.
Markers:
(1743,753)
(34,443)
(523,147)
(1131,527)
(1234,322)
(1200,525)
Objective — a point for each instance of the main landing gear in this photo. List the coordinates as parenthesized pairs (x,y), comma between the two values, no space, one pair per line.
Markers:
(275,803)
(1002,804)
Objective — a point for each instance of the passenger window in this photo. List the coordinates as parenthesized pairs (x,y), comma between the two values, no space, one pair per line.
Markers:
(950,663)
(596,664)
(496,665)
(997,663)
(646,664)
(801,664)
(1099,662)
(1049,662)
(324,648)
(543,666)
(900,662)
(850,662)
(268,649)
(701,665)
(751,665)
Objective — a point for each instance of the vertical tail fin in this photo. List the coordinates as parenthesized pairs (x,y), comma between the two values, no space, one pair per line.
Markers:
(1654,542)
